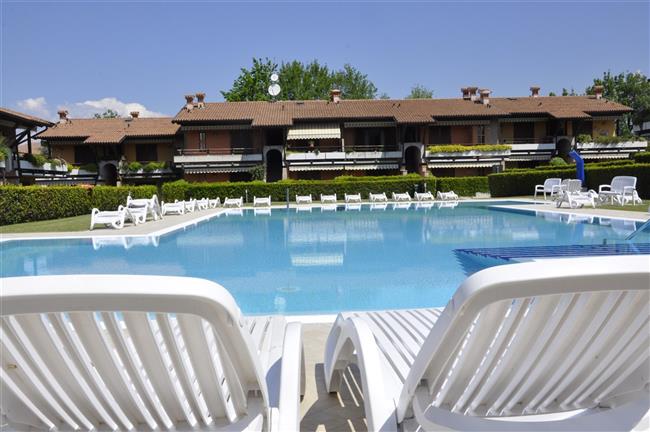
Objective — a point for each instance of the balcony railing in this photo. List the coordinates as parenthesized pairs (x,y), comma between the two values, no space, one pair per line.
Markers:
(546,139)
(218,151)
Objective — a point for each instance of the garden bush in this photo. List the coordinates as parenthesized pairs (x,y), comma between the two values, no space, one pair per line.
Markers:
(642,157)
(463,186)
(557,161)
(596,176)
(110,197)
(35,203)
(459,148)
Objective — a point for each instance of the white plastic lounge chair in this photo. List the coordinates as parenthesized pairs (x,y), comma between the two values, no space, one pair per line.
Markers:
(152,206)
(424,196)
(574,196)
(551,186)
(620,188)
(132,352)
(401,196)
(233,202)
(379,197)
(634,198)
(303,199)
(190,205)
(352,198)
(214,203)
(202,204)
(328,198)
(262,201)
(137,215)
(177,207)
(540,338)
(447,196)
(113,218)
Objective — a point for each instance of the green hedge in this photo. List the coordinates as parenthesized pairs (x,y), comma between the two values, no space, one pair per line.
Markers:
(35,203)
(463,186)
(181,189)
(110,197)
(514,183)
(642,157)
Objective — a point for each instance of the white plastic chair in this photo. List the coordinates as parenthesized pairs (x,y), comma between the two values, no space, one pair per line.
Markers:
(202,204)
(151,205)
(177,207)
(328,199)
(94,352)
(550,186)
(262,201)
(621,190)
(190,205)
(424,196)
(113,218)
(214,203)
(574,196)
(447,196)
(377,197)
(352,198)
(303,199)
(401,196)
(530,344)
(233,202)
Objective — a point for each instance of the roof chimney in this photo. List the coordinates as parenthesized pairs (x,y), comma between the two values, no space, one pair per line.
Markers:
(63,116)
(200,100)
(534,91)
(465,92)
(472,93)
(335,95)
(485,96)
(189,102)
(135,114)
(598,91)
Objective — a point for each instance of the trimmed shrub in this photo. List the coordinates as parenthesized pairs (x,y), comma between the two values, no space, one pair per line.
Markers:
(596,176)
(35,159)
(463,186)
(557,161)
(134,167)
(459,148)
(35,203)
(110,197)
(642,157)
(523,182)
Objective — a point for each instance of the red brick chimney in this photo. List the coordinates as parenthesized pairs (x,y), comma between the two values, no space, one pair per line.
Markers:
(335,95)
(135,114)
(465,92)
(189,102)
(63,116)
(472,93)
(485,96)
(598,91)
(200,100)
(534,91)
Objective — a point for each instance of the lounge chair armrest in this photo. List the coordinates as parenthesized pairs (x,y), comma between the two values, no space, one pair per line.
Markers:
(604,188)
(292,379)
(628,189)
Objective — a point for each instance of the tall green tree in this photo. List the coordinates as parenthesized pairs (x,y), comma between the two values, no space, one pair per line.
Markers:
(252,84)
(631,89)
(109,113)
(304,81)
(419,91)
(353,84)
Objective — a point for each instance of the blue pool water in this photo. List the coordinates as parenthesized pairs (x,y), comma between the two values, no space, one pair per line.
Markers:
(321,261)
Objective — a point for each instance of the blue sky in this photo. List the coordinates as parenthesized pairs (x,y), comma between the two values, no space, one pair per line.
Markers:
(90,56)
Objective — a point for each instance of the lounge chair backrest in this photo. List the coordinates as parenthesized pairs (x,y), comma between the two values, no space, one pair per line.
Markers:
(129,352)
(574,186)
(569,335)
(621,182)
(550,182)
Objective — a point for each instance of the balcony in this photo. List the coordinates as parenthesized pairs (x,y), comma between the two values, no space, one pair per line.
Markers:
(466,155)
(218,155)
(337,158)
(600,149)
(531,149)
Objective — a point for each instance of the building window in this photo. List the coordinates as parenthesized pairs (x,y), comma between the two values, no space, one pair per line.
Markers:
(440,135)
(146,152)
(202,145)
(524,132)
(583,127)
(83,154)
(241,139)
(480,134)
(412,134)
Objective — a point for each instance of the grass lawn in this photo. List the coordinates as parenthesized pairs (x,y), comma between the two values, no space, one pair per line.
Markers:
(76,223)
(637,208)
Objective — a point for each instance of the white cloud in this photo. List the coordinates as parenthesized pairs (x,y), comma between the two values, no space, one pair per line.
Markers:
(36,106)
(90,107)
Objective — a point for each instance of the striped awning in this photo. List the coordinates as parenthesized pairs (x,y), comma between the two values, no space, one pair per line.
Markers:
(355,167)
(462,123)
(208,170)
(463,165)
(314,131)
(369,124)
(622,155)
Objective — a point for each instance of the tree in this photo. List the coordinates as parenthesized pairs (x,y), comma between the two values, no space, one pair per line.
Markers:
(252,85)
(353,84)
(631,89)
(552,94)
(566,92)
(304,81)
(419,91)
(384,95)
(109,113)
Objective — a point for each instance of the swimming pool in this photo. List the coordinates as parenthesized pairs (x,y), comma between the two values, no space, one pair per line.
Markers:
(321,262)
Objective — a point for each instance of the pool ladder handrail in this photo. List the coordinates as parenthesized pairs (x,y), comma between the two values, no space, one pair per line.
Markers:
(643,227)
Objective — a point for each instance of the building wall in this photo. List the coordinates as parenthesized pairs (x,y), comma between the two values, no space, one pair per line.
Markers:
(462,135)
(65,152)
(506,132)
(540,130)
(604,127)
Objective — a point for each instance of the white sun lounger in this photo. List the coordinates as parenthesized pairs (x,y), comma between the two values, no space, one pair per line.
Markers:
(352,198)
(262,201)
(574,196)
(233,202)
(551,186)
(424,196)
(303,199)
(137,215)
(113,218)
(447,196)
(202,204)
(214,203)
(190,205)
(328,198)
(151,205)
(377,197)
(621,190)
(177,207)
(401,196)
(143,353)
(529,344)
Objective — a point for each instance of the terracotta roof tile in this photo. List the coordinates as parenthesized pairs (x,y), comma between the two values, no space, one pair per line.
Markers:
(113,130)
(26,119)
